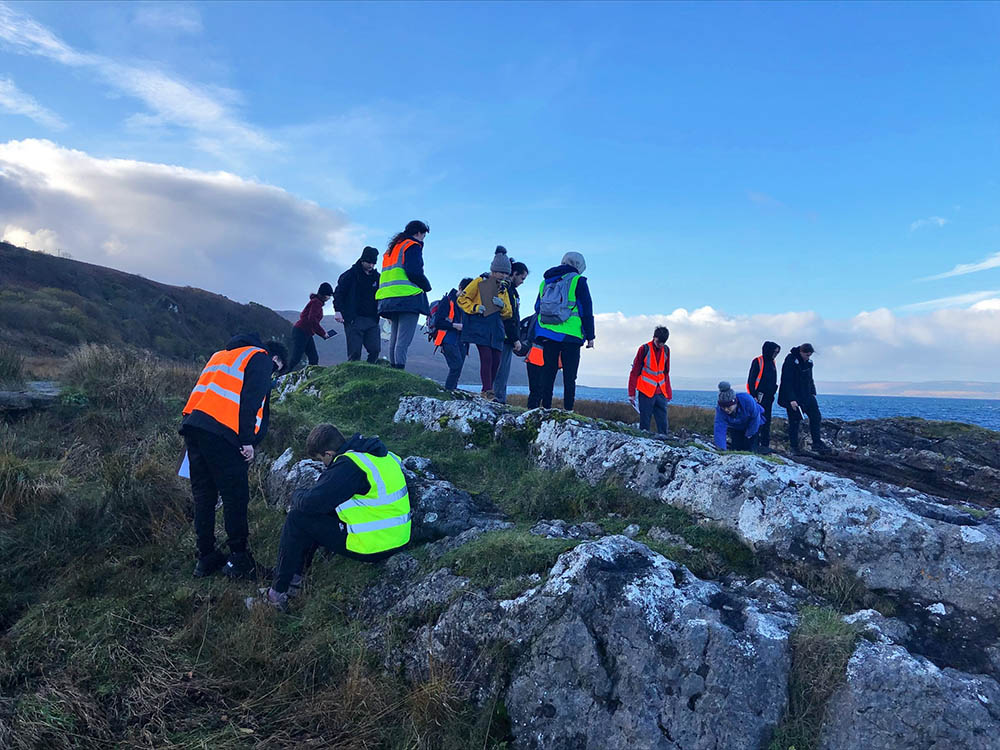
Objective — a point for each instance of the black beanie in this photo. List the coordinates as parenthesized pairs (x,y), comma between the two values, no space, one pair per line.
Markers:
(369,255)
(325,290)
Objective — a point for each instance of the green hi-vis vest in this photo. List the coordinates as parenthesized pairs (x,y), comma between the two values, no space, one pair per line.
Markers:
(379,520)
(573,325)
(393,282)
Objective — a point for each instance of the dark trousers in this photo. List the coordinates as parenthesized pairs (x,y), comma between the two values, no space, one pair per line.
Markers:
(653,406)
(570,353)
(740,442)
(535,378)
(765,429)
(363,332)
(218,468)
(301,535)
(302,342)
(811,409)
(454,354)
(489,363)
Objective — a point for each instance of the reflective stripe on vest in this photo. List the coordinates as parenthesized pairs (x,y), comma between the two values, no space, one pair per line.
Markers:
(393,282)
(379,520)
(573,325)
(760,374)
(439,338)
(220,387)
(653,378)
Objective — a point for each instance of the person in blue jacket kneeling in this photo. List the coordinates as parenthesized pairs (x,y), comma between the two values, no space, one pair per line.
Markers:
(740,416)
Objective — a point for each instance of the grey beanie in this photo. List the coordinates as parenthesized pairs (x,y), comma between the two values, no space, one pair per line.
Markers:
(576,260)
(726,394)
(500,262)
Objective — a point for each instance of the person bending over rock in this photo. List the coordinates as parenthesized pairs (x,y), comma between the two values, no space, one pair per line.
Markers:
(358,508)
(798,395)
(739,416)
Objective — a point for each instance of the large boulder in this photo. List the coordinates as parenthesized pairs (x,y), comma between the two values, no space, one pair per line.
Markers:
(894,700)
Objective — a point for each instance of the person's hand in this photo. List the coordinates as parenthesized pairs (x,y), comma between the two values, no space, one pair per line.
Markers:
(517,346)
(499,303)
(590,343)
(480,309)
(457,326)
(247,452)
(631,400)
(339,317)
(794,404)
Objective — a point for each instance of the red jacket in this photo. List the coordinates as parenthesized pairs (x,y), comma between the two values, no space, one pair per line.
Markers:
(311,316)
(637,363)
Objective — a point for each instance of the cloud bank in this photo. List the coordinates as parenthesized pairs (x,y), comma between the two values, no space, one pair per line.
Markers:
(217,231)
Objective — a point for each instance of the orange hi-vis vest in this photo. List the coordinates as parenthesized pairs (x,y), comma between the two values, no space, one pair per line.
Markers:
(219,386)
(439,337)
(653,377)
(536,356)
(760,374)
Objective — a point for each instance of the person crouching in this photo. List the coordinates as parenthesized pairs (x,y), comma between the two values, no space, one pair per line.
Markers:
(359,508)
(739,416)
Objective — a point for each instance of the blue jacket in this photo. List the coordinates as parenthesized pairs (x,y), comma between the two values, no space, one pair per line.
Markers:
(748,417)
(415,303)
(583,301)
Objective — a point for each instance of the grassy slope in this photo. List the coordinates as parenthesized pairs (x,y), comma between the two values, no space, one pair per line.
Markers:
(107,639)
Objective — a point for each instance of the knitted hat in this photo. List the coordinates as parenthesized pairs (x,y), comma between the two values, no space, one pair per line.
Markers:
(726,394)
(576,260)
(500,262)
(369,255)
(325,290)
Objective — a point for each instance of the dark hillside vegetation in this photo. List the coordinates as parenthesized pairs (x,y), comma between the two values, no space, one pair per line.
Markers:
(48,305)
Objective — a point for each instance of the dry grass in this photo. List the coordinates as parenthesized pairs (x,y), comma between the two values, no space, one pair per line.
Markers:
(11,366)
(692,418)
(25,483)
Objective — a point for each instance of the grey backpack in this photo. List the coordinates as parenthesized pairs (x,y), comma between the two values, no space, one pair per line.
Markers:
(554,308)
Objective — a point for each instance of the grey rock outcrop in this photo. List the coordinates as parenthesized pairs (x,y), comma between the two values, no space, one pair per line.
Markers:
(893,700)
(37,394)
(559,529)
(284,477)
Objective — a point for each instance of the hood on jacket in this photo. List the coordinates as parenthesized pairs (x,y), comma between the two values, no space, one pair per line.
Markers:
(769,348)
(361,444)
(557,271)
(244,339)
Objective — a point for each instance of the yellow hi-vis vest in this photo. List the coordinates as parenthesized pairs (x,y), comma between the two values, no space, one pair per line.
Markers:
(379,520)
(393,281)
(220,388)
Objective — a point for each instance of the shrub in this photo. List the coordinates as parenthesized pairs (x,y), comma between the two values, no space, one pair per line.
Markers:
(25,484)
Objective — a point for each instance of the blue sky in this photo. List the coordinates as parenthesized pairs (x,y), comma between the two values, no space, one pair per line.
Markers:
(759,159)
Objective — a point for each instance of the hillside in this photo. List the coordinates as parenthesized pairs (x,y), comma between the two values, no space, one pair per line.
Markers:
(48,305)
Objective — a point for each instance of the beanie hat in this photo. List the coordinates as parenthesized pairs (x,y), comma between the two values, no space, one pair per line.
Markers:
(500,262)
(369,255)
(726,394)
(325,290)
(576,260)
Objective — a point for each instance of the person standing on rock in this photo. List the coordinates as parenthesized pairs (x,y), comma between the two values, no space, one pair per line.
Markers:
(225,416)
(448,326)
(310,323)
(402,289)
(355,306)
(359,508)
(797,394)
(650,376)
(512,331)
(762,384)
(565,321)
(486,304)
(738,416)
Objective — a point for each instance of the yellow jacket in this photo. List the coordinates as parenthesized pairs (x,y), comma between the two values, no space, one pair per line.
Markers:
(470,299)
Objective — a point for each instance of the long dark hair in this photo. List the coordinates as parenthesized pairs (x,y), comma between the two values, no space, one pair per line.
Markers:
(411,229)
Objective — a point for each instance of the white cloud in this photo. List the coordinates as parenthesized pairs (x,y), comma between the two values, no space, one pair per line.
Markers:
(930,221)
(992,261)
(171,100)
(958,300)
(212,230)
(708,345)
(174,17)
(17,102)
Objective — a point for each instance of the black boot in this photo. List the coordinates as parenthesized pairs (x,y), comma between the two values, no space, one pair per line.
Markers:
(209,564)
(242,566)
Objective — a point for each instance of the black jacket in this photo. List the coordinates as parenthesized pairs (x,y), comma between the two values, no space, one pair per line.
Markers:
(441,322)
(769,380)
(341,481)
(354,296)
(256,388)
(796,380)
(512,325)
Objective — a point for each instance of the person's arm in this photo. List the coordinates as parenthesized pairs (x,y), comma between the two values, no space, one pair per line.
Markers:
(666,374)
(413,265)
(790,376)
(586,308)
(441,322)
(316,317)
(720,429)
(507,312)
(343,293)
(752,378)
(468,300)
(256,385)
(338,484)
(754,421)
(633,376)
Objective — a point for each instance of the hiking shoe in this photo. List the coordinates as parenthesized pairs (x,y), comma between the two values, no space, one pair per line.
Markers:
(822,448)
(209,564)
(268,597)
(295,586)
(242,566)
